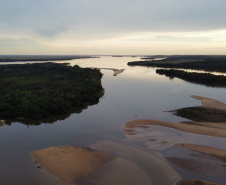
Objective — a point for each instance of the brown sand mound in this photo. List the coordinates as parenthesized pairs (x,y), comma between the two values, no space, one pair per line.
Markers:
(71,164)
(180,126)
(210,102)
(221,125)
(197,182)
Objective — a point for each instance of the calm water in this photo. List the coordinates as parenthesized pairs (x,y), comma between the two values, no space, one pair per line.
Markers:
(137,93)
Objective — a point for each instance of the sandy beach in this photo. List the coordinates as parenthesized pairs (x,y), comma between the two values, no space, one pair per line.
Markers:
(196,129)
(210,102)
(71,164)
(77,165)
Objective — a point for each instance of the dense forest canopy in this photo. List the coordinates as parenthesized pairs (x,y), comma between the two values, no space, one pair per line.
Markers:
(33,58)
(199,78)
(40,90)
(200,62)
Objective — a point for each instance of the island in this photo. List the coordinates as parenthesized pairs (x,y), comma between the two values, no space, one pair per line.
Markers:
(41,90)
(197,62)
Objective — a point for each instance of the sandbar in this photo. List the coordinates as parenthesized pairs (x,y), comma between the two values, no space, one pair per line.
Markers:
(219,125)
(218,153)
(196,129)
(157,169)
(116,71)
(210,102)
(71,164)
(197,182)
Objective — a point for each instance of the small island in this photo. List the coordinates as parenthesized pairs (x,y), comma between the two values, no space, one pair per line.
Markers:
(41,90)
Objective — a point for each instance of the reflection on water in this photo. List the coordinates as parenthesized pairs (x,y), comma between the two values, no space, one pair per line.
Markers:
(137,93)
(51,119)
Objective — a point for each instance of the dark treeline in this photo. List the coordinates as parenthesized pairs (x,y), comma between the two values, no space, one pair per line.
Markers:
(206,63)
(201,114)
(24,58)
(199,78)
(35,91)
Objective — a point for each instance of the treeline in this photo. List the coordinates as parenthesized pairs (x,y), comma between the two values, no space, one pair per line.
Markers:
(201,114)
(34,58)
(35,91)
(199,78)
(206,63)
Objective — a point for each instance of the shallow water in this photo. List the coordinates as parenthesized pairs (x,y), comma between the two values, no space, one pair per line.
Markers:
(137,93)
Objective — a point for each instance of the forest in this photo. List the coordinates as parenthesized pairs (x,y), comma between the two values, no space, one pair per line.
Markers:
(199,78)
(34,58)
(41,90)
(200,62)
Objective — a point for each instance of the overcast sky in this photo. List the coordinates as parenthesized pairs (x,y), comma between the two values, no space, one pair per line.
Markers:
(130,27)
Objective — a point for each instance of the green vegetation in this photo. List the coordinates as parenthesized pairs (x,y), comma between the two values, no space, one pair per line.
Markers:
(35,91)
(206,63)
(202,114)
(33,58)
(199,78)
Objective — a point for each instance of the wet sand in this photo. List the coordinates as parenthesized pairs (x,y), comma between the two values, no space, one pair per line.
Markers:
(197,182)
(218,153)
(158,170)
(76,165)
(119,171)
(164,135)
(71,164)
(219,125)
(210,102)
(196,129)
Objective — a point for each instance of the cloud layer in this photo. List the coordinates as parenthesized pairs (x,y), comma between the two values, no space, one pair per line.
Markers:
(92,26)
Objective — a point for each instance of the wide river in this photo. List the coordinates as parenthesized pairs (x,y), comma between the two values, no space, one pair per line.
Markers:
(137,93)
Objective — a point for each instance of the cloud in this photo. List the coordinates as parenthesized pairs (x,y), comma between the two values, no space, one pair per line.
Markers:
(79,22)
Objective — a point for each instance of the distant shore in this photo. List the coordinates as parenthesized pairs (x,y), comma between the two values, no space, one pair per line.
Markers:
(36,58)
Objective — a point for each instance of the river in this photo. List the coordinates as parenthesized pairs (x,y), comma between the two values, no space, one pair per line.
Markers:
(136,93)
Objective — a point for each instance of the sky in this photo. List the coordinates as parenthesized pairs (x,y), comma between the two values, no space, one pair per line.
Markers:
(112,27)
